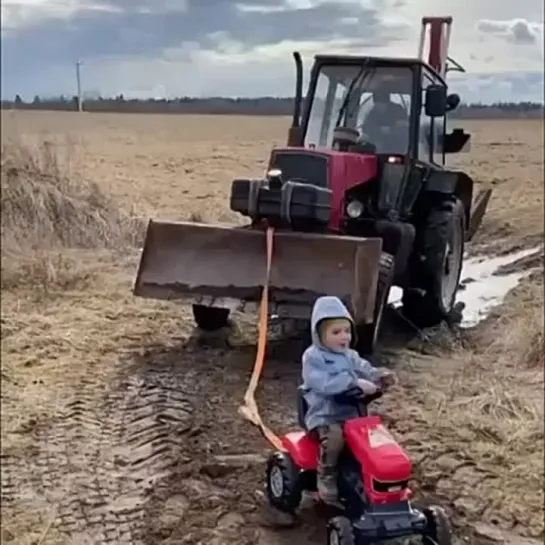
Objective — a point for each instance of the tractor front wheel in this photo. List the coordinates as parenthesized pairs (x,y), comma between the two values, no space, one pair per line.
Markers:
(340,532)
(439,529)
(436,266)
(210,318)
(283,485)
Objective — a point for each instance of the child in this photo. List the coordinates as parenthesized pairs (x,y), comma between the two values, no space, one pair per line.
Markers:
(330,368)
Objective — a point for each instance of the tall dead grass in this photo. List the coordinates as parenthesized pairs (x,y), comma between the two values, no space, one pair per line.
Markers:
(493,416)
(47,215)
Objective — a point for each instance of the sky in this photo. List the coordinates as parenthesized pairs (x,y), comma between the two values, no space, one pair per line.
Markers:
(167,48)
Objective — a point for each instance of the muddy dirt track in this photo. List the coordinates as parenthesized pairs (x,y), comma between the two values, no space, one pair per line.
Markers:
(160,456)
(120,424)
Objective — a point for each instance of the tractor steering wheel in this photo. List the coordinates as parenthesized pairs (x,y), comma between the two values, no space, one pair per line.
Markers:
(385,137)
(366,144)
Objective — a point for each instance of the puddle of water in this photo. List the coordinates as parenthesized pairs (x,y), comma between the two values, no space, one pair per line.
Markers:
(484,289)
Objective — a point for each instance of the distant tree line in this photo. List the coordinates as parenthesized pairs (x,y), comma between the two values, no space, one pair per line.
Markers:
(241,106)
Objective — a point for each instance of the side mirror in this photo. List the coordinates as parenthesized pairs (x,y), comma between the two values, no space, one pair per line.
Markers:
(453,101)
(436,104)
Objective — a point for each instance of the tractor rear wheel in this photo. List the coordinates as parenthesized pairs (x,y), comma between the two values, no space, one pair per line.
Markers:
(210,318)
(368,334)
(435,278)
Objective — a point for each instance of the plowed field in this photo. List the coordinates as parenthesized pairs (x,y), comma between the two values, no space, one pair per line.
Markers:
(119,420)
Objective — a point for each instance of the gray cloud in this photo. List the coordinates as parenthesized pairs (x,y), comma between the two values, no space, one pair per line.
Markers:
(516,31)
(145,28)
(192,47)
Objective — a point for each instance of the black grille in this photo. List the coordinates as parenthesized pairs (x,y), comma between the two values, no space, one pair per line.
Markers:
(389,487)
(302,167)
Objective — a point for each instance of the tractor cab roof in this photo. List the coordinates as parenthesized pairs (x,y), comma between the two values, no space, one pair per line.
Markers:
(393,62)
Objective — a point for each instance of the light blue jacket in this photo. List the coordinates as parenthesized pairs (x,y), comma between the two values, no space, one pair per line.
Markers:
(327,373)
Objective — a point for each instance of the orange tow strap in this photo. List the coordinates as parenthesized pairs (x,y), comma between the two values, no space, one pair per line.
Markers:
(249,410)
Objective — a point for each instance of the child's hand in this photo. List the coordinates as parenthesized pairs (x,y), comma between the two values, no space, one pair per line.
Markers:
(367,387)
(387,378)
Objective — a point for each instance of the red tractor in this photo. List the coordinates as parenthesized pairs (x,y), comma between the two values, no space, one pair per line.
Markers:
(373,482)
(361,200)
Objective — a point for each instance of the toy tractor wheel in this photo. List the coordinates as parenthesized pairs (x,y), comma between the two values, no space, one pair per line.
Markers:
(439,529)
(340,532)
(283,487)
(368,333)
(436,278)
(210,318)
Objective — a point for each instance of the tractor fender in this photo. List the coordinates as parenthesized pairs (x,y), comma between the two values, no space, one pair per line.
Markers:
(449,182)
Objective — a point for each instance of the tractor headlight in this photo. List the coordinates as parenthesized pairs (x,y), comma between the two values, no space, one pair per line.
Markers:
(354,209)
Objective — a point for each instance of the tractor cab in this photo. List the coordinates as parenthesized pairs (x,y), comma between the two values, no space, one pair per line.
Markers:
(364,108)
(380,106)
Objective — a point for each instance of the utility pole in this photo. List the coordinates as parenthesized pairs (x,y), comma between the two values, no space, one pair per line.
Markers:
(78,81)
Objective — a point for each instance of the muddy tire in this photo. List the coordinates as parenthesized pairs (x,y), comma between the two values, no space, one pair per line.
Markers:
(439,531)
(283,485)
(340,532)
(210,318)
(368,334)
(435,278)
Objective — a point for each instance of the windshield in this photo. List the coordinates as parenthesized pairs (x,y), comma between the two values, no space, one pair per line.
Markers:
(374,100)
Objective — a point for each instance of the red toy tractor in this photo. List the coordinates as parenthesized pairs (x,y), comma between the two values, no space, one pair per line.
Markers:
(361,199)
(373,478)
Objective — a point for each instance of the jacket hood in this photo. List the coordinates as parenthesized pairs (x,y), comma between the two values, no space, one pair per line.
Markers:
(327,307)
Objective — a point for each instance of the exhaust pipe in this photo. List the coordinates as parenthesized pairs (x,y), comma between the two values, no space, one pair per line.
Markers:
(295,135)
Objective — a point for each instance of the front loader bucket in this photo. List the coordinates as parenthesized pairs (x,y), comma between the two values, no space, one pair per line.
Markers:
(200,262)
(477,212)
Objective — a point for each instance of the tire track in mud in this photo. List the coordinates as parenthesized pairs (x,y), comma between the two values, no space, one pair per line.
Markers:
(95,467)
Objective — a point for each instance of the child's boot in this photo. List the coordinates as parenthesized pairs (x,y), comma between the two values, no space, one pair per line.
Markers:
(327,487)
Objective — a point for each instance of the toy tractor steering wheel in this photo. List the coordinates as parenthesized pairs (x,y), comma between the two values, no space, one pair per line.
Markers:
(355,396)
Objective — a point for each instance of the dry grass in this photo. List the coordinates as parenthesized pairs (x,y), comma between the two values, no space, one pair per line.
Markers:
(43,211)
(473,421)
(508,155)
(64,243)
(488,411)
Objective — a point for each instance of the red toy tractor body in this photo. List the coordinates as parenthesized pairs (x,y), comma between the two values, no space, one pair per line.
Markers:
(373,477)
(388,467)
